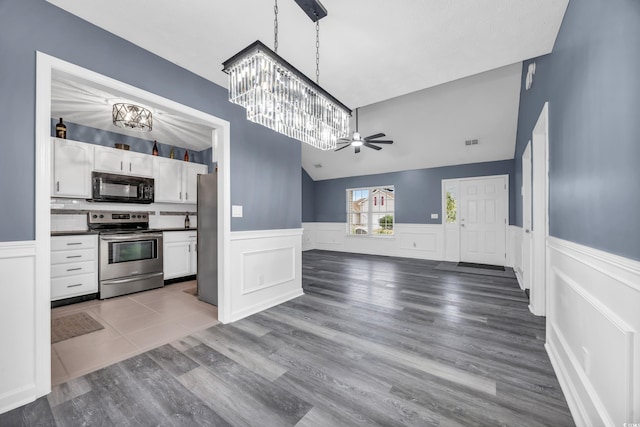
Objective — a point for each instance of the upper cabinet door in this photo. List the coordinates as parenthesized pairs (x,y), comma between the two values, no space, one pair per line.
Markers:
(168,180)
(108,159)
(140,164)
(72,164)
(191,172)
(123,162)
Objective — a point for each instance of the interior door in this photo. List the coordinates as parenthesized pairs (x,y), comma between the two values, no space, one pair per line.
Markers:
(526,265)
(483,220)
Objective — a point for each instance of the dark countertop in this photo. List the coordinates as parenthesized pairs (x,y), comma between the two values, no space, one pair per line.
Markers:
(73,233)
(83,232)
(174,229)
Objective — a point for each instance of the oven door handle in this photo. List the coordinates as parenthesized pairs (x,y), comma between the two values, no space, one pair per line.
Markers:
(136,236)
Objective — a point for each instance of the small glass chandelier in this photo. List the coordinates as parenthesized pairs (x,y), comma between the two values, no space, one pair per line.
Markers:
(130,116)
(278,96)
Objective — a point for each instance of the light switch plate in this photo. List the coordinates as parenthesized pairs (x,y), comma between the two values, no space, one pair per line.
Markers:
(434,216)
(236,211)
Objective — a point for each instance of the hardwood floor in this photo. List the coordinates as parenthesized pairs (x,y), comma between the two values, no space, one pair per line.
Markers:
(374,341)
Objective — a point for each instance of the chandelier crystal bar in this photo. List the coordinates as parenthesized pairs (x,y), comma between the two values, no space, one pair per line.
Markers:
(278,96)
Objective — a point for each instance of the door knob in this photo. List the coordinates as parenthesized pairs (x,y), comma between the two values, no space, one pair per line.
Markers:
(527,231)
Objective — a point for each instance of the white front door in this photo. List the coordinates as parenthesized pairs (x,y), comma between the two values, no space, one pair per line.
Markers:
(483,220)
(526,272)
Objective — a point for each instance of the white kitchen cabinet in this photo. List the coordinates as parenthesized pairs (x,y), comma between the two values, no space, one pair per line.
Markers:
(74,266)
(190,180)
(107,159)
(168,180)
(176,181)
(72,164)
(179,253)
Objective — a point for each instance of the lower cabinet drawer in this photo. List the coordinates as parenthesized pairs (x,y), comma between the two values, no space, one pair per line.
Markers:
(65,287)
(61,257)
(73,269)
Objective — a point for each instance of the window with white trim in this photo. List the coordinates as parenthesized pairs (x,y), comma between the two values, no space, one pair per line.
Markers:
(370,211)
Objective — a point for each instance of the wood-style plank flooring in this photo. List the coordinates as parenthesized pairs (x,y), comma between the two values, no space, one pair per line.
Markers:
(374,341)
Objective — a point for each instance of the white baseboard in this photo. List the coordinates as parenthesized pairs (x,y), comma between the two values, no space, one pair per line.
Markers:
(592,332)
(423,241)
(266,270)
(21,326)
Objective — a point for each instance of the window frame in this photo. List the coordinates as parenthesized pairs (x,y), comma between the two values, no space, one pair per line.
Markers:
(370,212)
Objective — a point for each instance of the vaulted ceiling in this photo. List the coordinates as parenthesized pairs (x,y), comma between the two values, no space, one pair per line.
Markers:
(408,62)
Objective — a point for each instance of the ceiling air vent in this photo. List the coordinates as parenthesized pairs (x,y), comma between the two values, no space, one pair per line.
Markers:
(471,142)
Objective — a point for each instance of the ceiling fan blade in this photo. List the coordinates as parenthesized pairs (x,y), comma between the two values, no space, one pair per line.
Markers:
(344,139)
(357,149)
(383,141)
(344,146)
(377,135)
(344,142)
(366,144)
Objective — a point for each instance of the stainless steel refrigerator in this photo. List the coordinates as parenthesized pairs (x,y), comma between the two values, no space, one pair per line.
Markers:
(208,238)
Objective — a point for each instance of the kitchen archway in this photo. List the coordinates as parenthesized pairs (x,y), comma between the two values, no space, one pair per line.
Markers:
(48,68)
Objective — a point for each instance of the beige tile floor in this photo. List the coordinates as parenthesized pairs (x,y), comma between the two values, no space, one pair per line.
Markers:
(132,324)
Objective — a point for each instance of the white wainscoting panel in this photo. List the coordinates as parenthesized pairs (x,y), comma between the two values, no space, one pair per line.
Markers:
(514,251)
(266,270)
(593,321)
(308,236)
(18,327)
(422,241)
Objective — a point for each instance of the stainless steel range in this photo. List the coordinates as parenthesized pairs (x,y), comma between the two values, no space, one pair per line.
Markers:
(130,254)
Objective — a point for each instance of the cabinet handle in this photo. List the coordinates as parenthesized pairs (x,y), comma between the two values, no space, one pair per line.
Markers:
(74,269)
(189,248)
(74,243)
(74,286)
(121,164)
(181,195)
(129,167)
(57,185)
(74,256)
(186,196)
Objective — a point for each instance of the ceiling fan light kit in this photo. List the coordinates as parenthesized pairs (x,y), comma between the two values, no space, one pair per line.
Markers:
(280,97)
(357,141)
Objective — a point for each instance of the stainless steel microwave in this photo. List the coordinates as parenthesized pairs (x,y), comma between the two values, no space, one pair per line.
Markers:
(111,187)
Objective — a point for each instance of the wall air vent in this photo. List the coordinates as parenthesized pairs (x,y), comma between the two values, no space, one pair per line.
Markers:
(471,142)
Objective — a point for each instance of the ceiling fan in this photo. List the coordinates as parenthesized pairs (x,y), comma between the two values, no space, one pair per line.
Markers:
(358,141)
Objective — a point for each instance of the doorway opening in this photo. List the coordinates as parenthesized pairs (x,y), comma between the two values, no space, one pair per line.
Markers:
(48,69)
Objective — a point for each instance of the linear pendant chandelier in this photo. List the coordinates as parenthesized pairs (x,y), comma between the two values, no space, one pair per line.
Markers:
(280,97)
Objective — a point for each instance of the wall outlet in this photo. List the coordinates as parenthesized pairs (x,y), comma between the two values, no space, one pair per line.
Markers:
(434,216)
(236,211)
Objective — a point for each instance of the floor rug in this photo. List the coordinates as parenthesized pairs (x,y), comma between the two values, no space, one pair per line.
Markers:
(73,325)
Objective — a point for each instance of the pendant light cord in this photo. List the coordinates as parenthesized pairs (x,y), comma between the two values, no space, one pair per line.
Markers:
(318,51)
(275,27)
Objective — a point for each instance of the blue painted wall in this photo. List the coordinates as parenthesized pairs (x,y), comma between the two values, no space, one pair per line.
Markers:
(418,192)
(308,198)
(591,82)
(106,138)
(265,166)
